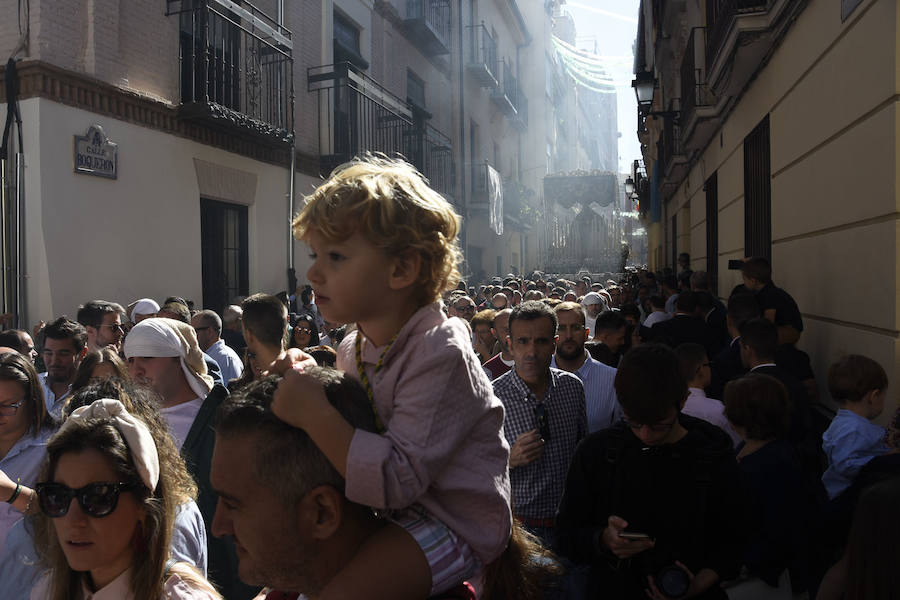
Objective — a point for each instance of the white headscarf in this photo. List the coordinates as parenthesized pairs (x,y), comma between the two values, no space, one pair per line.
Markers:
(135,433)
(167,337)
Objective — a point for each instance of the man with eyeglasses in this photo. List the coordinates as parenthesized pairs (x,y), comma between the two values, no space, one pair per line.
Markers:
(208,326)
(545,418)
(464,307)
(103,322)
(64,346)
(653,504)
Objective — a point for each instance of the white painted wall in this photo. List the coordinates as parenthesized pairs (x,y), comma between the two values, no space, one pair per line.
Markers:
(139,235)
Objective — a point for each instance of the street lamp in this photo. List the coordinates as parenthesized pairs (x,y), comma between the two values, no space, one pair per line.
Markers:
(629,186)
(644,83)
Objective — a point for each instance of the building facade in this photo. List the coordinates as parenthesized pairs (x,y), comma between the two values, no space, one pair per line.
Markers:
(164,145)
(772,132)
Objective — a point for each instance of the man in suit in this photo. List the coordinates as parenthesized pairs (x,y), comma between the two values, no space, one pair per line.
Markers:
(686,326)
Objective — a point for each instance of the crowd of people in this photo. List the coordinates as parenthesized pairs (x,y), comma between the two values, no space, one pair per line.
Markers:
(389,431)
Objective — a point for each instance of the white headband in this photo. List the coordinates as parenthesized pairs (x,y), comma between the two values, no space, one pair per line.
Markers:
(135,433)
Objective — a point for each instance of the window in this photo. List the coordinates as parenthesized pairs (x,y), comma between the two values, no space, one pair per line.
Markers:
(712,231)
(415,90)
(224,255)
(346,42)
(675,241)
(758,192)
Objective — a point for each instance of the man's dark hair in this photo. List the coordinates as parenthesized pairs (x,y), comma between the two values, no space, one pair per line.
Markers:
(12,338)
(532,310)
(657,301)
(742,308)
(686,302)
(179,311)
(265,316)
(649,383)
(691,357)
(704,301)
(670,282)
(630,309)
(90,314)
(758,268)
(287,462)
(761,336)
(609,320)
(66,329)
(760,405)
(853,376)
(177,299)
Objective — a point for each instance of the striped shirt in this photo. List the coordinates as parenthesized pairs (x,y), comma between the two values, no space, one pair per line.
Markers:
(603,408)
(538,486)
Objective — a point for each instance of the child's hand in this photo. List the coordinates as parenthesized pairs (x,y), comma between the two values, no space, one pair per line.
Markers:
(292,358)
(296,396)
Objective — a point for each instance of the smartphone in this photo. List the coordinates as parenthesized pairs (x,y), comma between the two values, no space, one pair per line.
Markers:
(634,536)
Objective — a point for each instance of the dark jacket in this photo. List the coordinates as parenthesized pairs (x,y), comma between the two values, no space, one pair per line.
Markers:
(197,452)
(685,495)
(726,365)
(681,329)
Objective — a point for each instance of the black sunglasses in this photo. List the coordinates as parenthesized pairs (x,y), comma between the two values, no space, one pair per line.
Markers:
(96,499)
(542,416)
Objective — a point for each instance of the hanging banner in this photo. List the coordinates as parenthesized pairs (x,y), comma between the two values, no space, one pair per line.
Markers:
(495,197)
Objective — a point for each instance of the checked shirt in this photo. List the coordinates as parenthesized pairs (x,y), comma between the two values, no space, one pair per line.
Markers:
(538,486)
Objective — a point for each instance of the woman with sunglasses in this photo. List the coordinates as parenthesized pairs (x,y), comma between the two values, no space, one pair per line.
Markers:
(305,333)
(25,428)
(108,506)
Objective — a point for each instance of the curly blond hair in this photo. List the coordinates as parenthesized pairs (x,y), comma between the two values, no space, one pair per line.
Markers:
(389,203)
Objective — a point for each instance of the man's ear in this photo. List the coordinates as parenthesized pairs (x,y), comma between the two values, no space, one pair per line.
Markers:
(406,269)
(321,511)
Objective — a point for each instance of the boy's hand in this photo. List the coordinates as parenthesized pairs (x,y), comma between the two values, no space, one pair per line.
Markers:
(296,396)
(292,358)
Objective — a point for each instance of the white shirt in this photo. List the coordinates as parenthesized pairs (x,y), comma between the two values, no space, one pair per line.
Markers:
(180,419)
(600,398)
(656,317)
(590,323)
(710,410)
(229,362)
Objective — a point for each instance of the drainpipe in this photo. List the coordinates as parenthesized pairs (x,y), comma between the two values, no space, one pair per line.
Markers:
(463,197)
(292,166)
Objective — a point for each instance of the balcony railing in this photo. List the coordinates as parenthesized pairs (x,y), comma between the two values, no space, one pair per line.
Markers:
(719,14)
(505,96)
(481,61)
(235,67)
(357,115)
(428,22)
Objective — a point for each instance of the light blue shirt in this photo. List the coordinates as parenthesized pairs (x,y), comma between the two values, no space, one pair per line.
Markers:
(602,404)
(22,464)
(54,404)
(227,359)
(20,569)
(850,442)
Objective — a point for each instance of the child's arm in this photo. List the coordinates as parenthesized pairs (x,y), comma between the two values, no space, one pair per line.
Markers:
(851,453)
(300,401)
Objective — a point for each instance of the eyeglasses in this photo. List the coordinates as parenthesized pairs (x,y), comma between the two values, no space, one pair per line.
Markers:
(8,410)
(96,499)
(114,326)
(661,427)
(302,330)
(542,418)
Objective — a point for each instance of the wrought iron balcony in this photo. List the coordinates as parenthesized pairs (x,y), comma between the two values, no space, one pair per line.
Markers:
(428,23)
(357,114)
(505,96)
(521,119)
(720,14)
(481,61)
(235,67)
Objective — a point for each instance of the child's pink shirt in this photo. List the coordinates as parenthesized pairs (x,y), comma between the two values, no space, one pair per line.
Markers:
(444,446)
